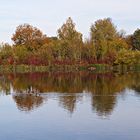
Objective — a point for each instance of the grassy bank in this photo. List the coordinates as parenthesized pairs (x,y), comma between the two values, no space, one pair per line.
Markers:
(126,68)
(29,68)
(67,68)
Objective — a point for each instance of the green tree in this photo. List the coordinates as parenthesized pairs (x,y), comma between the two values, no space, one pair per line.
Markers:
(6,54)
(21,54)
(102,33)
(71,40)
(88,51)
(127,57)
(136,40)
(129,41)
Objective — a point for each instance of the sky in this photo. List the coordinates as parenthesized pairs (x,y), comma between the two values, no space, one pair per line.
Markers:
(49,15)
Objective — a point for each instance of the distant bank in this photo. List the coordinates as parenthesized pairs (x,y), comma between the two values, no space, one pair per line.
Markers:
(68,68)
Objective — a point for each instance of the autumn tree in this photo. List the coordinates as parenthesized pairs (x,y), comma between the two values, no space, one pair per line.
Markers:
(71,40)
(106,40)
(29,36)
(21,54)
(88,52)
(45,54)
(6,54)
(129,41)
(105,45)
(128,57)
(102,32)
(136,40)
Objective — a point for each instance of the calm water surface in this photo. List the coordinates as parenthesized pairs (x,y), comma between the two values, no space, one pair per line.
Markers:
(70,106)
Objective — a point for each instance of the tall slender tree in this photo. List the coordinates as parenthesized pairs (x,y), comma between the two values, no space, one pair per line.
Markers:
(71,40)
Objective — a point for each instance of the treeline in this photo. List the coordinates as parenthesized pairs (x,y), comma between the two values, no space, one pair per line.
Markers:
(105,45)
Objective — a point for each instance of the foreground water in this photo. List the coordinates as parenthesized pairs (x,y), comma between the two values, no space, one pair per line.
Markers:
(70,106)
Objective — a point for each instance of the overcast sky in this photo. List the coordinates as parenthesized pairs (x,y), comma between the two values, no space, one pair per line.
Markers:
(49,15)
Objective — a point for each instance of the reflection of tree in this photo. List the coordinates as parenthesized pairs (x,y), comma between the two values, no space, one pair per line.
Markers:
(136,83)
(103,99)
(103,104)
(27,102)
(4,85)
(137,89)
(103,88)
(68,102)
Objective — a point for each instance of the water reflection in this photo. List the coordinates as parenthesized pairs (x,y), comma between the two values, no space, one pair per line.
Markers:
(27,102)
(31,90)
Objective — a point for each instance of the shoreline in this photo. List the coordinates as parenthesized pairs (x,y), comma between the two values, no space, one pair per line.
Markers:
(97,68)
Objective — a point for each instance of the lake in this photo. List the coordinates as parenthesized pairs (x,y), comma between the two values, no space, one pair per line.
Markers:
(70,106)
